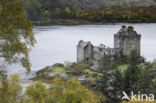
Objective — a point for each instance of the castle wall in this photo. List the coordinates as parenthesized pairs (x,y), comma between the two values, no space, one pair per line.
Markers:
(84,52)
(127,43)
(80,54)
(88,53)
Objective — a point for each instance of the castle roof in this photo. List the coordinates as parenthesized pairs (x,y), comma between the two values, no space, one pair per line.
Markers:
(84,44)
(126,31)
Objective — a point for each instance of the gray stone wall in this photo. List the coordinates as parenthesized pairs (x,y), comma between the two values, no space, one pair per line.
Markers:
(125,41)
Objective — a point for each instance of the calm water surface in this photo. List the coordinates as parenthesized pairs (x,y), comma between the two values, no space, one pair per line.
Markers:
(57,44)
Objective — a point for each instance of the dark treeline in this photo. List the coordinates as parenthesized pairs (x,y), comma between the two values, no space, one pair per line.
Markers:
(120,14)
(54,10)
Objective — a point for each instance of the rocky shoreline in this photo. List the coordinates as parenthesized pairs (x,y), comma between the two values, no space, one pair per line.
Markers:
(79,22)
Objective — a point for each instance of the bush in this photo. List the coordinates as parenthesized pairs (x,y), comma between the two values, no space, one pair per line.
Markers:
(59,65)
(60,91)
(77,69)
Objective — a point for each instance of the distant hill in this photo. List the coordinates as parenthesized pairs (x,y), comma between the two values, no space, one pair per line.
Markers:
(44,10)
(92,4)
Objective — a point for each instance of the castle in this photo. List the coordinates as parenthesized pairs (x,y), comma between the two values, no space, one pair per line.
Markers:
(126,40)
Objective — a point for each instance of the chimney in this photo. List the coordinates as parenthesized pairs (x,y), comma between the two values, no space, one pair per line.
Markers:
(123,26)
(130,28)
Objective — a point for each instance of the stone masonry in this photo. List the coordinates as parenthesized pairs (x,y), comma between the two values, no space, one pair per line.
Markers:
(125,40)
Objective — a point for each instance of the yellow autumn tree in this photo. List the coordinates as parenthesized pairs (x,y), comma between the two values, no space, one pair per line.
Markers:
(60,91)
(16,34)
(10,89)
(71,91)
(36,92)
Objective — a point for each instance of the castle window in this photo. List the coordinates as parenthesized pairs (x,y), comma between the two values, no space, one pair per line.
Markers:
(100,49)
(87,59)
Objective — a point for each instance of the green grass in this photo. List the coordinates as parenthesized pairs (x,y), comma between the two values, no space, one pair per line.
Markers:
(58,70)
(89,71)
(154,66)
(122,68)
(91,74)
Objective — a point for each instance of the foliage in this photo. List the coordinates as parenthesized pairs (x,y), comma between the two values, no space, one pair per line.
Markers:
(36,92)
(123,14)
(10,88)
(134,77)
(146,82)
(67,10)
(15,33)
(110,86)
(59,65)
(132,73)
(60,91)
(71,92)
(77,69)
(91,10)
(122,68)
(58,70)
(109,83)
(108,63)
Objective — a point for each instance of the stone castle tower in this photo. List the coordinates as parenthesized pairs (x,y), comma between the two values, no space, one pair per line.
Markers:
(125,40)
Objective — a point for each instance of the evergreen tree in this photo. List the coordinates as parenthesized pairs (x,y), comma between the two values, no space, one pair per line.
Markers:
(132,73)
(110,83)
(146,83)
(107,63)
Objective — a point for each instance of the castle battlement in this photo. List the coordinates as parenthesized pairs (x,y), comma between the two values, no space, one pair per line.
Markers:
(125,40)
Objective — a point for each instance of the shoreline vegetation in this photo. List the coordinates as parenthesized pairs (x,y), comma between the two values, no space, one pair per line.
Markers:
(92,80)
(70,82)
(77,22)
(116,14)
(81,71)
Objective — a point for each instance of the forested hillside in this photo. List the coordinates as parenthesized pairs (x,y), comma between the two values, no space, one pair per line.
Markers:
(48,10)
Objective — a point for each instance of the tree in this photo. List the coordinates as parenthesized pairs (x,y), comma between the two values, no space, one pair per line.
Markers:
(70,91)
(60,91)
(110,84)
(67,10)
(107,63)
(16,36)
(132,73)
(10,88)
(146,83)
(36,92)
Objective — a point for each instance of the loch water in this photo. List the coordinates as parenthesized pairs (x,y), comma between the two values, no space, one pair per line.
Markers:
(57,43)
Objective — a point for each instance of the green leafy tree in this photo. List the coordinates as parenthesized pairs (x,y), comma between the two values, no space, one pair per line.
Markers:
(67,10)
(16,36)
